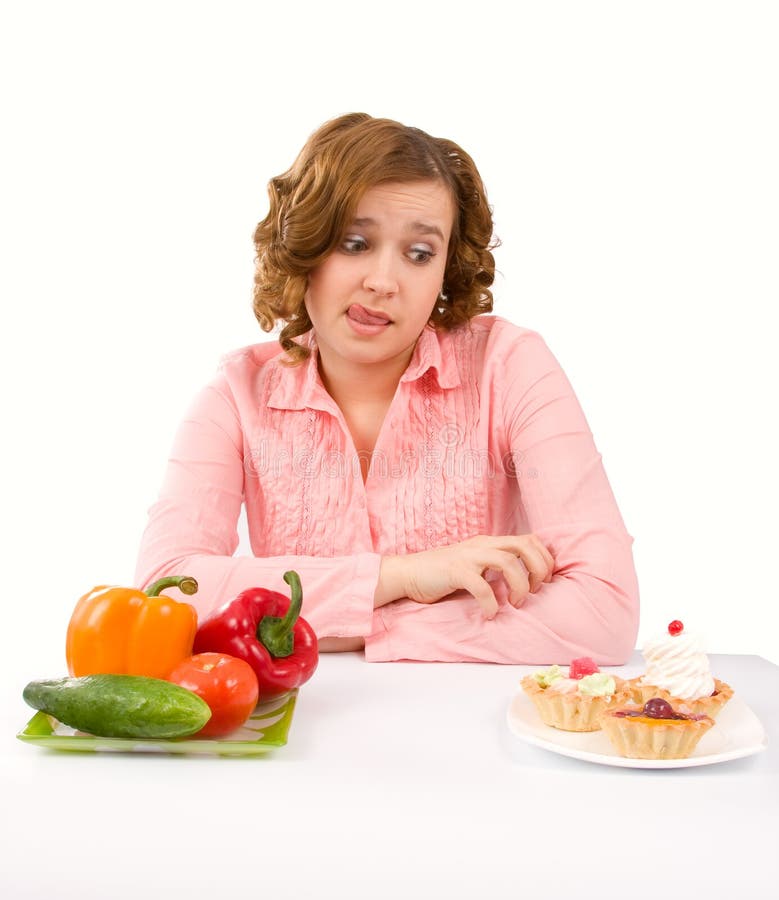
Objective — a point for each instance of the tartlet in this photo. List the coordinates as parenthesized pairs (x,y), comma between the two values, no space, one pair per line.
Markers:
(710,705)
(654,731)
(577,706)
(678,672)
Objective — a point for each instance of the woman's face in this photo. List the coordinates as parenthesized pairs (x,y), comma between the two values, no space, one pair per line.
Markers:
(390,262)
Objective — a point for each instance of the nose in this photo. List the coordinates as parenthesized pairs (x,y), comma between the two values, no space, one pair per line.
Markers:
(381,277)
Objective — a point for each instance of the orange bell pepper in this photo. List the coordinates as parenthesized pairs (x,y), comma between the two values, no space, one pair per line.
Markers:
(124,631)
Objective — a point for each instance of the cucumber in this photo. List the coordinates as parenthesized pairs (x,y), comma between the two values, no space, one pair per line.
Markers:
(123,706)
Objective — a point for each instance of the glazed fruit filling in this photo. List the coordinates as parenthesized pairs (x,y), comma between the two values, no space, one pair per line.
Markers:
(656,708)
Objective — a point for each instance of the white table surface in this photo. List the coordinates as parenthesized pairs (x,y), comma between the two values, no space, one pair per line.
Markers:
(399,780)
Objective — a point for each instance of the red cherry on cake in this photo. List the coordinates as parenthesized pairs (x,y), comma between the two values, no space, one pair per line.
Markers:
(581,667)
(675,628)
(657,708)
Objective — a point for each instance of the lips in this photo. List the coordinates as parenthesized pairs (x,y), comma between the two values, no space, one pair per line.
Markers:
(367,316)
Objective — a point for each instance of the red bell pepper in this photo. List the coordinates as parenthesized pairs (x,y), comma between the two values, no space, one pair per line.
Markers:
(264,628)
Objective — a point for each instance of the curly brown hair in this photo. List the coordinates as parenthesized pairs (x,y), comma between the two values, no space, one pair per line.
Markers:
(312,203)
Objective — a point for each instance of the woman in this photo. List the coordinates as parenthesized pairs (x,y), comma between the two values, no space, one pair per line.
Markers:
(425,467)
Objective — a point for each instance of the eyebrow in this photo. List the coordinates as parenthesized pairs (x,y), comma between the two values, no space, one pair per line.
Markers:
(418,227)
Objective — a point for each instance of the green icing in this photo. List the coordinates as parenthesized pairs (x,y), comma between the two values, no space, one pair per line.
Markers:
(598,684)
(547,676)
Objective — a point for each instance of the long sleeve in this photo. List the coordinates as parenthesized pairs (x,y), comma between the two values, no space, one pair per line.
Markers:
(270,437)
(591,606)
(192,529)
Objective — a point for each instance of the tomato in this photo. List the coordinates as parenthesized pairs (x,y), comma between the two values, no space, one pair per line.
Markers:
(228,685)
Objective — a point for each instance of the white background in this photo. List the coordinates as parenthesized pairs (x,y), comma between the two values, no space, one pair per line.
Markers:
(629,151)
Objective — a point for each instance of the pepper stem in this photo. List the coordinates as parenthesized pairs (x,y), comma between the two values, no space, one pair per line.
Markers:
(185,583)
(275,632)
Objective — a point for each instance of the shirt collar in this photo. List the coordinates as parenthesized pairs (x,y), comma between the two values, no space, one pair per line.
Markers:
(300,387)
(429,355)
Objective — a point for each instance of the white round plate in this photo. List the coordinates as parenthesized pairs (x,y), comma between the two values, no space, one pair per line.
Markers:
(737,732)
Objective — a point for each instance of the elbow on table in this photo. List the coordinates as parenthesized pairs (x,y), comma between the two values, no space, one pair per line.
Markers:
(580,614)
(614,624)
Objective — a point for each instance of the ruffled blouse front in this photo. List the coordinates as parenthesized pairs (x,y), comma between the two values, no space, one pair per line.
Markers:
(483,436)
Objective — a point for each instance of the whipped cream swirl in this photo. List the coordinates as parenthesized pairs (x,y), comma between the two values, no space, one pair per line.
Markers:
(679,665)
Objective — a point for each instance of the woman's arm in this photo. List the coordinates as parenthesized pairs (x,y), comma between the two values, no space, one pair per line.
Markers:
(590,606)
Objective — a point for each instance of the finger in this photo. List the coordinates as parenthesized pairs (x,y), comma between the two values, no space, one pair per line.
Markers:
(483,594)
(536,565)
(550,560)
(514,573)
(537,559)
(516,600)
(529,548)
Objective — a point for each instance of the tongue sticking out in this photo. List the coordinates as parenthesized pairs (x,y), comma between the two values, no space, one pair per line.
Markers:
(360,314)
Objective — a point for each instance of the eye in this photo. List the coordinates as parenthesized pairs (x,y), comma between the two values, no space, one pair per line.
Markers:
(421,255)
(353,244)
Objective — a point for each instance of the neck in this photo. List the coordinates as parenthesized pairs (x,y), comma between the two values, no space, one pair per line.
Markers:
(354,384)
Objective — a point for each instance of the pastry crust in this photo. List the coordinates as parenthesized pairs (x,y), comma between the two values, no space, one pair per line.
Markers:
(574,711)
(642,737)
(703,706)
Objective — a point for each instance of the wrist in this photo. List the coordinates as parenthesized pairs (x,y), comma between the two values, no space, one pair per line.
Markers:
(391,585)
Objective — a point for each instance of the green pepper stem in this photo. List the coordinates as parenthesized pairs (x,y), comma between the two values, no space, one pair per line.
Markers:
(275,632)
(185,583)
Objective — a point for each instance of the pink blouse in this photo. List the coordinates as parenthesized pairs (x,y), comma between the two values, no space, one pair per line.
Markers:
(483,436)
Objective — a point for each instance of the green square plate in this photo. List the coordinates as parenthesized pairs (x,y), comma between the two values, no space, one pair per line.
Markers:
(264,730)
